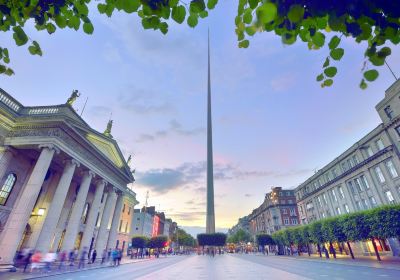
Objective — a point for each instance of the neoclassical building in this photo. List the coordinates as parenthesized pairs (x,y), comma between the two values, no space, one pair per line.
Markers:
(62,183)
(364,176)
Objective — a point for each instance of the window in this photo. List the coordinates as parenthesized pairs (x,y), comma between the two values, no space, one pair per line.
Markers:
(338,211)
(359,205)
(344,166)
(292,211)
(365,203)
(97,220)
(398,130)
(334,195)
(351,188)
(319,182)
(388,112)
(126,227)
(129,210)
(284,211)
(391,168)
(319,201)
(286,221)
(346,207)
(372,201)
(323,215)
(341,193)
(324,197)
(120,226)
(85,213)
(357,183)
(7,188)
(379,144)
(389,197)
(334,173)
(123,208)
(379,174)
(355,159)
(364,182)
(349,163)
(290,201)
(370,153)
(294,221)
(309,205)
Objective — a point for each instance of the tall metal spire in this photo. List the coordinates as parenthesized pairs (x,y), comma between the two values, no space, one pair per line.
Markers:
(210,219)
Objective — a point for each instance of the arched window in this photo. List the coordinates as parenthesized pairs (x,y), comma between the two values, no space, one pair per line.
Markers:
(7,188)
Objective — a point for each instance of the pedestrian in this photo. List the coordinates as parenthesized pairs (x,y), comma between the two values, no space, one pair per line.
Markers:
(82,258)
(36,260)
(114,256)
(109,255)
(119,256)
(103,256)
(27,259)
(71,257)
(94,255)
(48,259)
(61,258)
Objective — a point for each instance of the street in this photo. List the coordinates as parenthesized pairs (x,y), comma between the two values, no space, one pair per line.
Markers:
(233,267)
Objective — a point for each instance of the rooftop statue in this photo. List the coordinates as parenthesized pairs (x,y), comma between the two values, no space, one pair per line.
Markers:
(75,94)
(129,160)
(107,132)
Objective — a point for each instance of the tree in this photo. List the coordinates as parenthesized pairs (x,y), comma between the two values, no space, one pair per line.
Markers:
(239,236)
(264,239)
(305,237)
(158,242)
(317,236)
(373,22)
(211,239)
(139,242)
(181,237)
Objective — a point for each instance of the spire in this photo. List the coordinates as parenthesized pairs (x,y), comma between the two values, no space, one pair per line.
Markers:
(210,218)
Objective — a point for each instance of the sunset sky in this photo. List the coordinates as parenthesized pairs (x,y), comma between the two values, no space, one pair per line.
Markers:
(273,125)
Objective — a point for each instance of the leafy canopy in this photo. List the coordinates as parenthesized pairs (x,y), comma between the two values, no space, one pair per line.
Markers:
(376,23)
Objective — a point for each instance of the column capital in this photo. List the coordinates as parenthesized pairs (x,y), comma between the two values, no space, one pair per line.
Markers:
(89,173)
(72,162)
(101,181)
(50,147)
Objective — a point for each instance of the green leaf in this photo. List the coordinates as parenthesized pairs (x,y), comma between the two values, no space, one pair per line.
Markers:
(211,4)
(296,13)
(376,60)
(9,72)
(267,12)
(371,75)
(244,44)
(196,6)
(328,82)
(363,84)
(251,30)
(130,6)
(51,28)
(337,54)
(334,42)
(163,27)
(318,39)
(88,27)
(35,49)
(102,8)
(192,20)
(19,36)
(326,63)
(330,71)
(320,77)
(60,21)
(74,22)
(253,3)
(3,68)
(203,14)
(384,52)
(173,3)
(178,14)
(247,16)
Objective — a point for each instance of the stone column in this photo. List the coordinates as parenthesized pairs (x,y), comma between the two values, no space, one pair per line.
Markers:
(6,154)
(19,216)
(112,237)
(76,214)
(91,220)
(53,215)
(102,235)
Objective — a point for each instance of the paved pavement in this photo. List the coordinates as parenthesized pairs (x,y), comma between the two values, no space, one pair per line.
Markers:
(234,266)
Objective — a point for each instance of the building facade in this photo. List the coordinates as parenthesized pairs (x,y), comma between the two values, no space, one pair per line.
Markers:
(126,221)
(278,211)
(365,176)
(62,183)
(243,223)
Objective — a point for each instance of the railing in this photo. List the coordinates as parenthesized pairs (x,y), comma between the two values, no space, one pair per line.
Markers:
(9,102)
(43,111)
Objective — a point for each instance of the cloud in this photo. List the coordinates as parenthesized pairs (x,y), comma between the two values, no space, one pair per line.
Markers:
(99,110)
(193,174)
(248,195)
(283,83)
(143,101)
(175,128)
